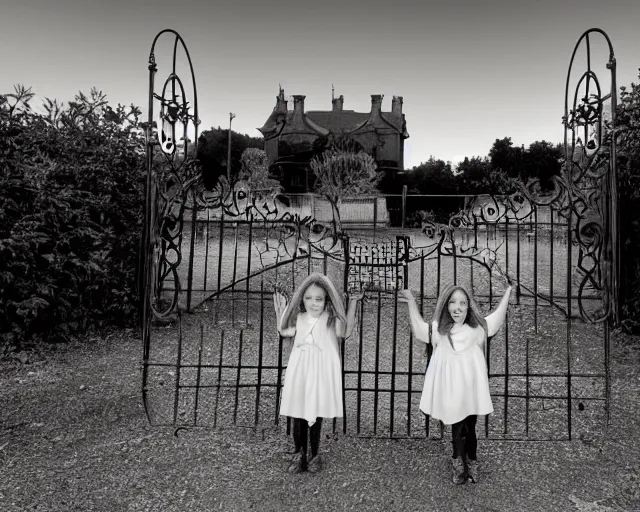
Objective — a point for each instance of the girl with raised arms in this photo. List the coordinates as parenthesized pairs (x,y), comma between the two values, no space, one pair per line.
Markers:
(456,384)
(315,318)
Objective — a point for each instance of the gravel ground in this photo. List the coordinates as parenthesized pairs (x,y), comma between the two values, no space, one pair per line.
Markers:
(74,436)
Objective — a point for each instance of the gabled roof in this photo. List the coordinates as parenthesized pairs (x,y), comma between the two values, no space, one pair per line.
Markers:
(302,124)
(322,122)
(338,121)
(274,123)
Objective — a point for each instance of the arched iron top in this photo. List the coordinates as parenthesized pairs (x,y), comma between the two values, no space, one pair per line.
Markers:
(153,69)
(178,38)
(588,76)
(610,64)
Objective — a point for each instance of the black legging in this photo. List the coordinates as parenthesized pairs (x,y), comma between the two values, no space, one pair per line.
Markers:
(464,438)
(300,428)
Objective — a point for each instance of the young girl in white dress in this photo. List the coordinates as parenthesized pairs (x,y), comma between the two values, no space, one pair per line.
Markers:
(456,384)
(312,390)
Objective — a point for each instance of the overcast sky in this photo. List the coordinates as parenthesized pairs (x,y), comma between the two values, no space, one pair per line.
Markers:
(469,71)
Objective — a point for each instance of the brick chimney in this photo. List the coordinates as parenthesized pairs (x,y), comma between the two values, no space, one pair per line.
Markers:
(376,103)
(281,102)
(396,105)
(338,103)
(298,103)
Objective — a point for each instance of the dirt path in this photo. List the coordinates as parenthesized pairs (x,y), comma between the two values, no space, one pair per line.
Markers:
(73,436)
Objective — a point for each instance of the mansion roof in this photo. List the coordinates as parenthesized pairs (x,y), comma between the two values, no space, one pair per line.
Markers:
(338,121)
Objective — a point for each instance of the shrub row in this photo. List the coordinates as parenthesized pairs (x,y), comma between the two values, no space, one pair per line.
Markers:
(71,208)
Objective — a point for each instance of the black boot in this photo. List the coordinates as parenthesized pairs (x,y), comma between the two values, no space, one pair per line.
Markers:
(298,462)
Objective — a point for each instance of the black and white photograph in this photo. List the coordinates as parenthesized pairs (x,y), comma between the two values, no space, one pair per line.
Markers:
(319,256)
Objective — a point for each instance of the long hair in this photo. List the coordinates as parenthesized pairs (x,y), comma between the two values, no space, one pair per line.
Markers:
(441,314)
(333,304)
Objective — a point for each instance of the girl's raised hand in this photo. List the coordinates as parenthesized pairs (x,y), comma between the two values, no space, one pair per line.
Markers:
(504,274)
(405,296)
(279,301)
(356,295)
(508,283)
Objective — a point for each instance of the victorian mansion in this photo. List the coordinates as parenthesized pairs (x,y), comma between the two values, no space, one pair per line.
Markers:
(293,137)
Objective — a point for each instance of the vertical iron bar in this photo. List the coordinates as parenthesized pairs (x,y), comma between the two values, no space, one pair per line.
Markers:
(486,232)
(249,245)
(535,269)
(293,270)
(220,253)
(607,375)
(235,405)
(475,231)
(377,372)
(455,257)
(374,256)
(551,267)
(178,366)
(490,289)
(198,373)
(427,352)
(233,275)
(220,248)
(260,353)
(518,256)
(526,362)
(614,215)
(486,418)
(206,251)
(347,262)
(146,260)
(410,368)
(344,401)
(279,383)
(219,381)
(506,250)
(473,292)
(569,316)
(359,397)
(439,259)
(194,231)
(613,239)
(394,347)
(506,332)
(506,371)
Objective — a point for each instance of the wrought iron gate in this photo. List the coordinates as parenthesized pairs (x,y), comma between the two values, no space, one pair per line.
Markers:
(212,259)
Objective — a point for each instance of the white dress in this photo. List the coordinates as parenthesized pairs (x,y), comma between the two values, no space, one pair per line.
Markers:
(313,379)
(456,384)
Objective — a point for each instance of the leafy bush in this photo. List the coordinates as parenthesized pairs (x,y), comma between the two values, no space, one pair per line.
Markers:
(71,208)
(628,133)
(255,171)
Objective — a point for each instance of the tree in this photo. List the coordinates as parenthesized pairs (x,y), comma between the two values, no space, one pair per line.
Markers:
(473,175)
(212,153)
(542,160)
(255,172)
(506,158)
(342,173)
(433,178)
